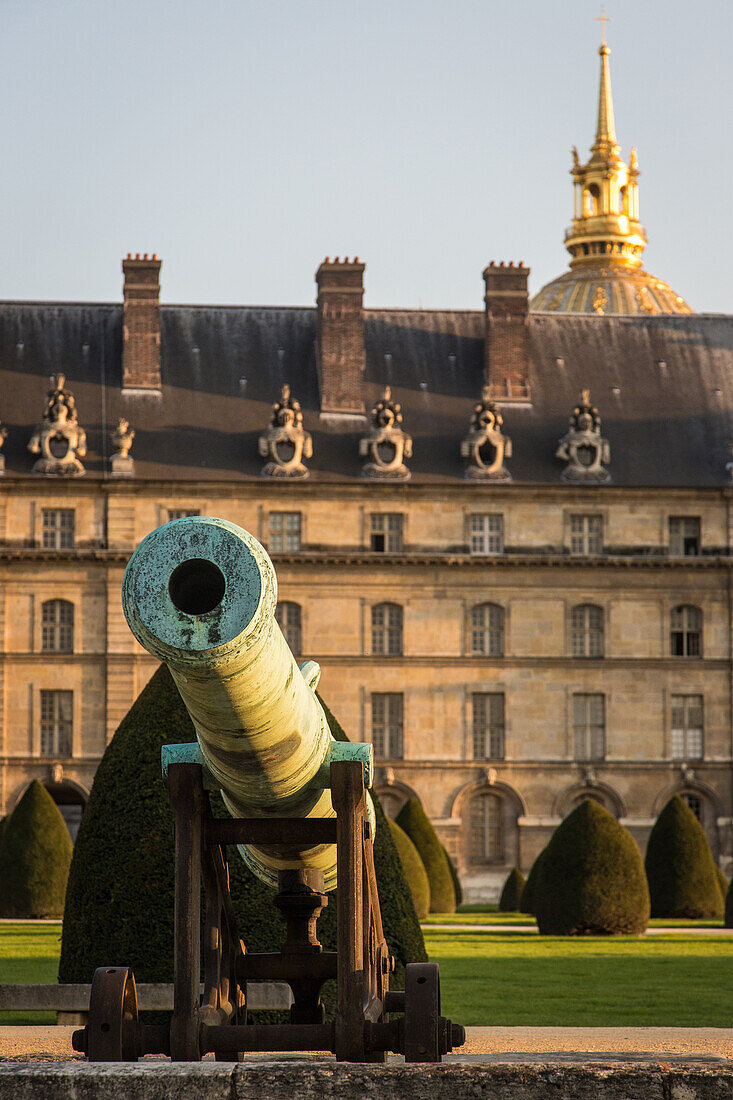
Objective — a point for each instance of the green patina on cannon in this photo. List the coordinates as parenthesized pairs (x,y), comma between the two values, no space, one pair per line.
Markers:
(200,594)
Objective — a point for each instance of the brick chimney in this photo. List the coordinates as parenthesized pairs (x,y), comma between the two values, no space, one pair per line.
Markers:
(141,323)
(340,336)
(506,342)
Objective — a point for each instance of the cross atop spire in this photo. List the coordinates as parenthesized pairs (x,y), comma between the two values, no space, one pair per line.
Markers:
(603,19)
(605,142)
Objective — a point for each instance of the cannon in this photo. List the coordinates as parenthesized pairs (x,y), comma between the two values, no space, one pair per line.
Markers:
(200,594)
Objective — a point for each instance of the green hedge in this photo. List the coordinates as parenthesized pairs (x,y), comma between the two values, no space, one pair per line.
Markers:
(722,879)
(457,888)
(415,822)
(528,898)
(683,879)
(591,879)
(511,895)
(412,865)
(119,905)
(34,857)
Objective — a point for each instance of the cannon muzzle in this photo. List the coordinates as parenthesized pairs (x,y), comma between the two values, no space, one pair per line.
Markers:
(200,594)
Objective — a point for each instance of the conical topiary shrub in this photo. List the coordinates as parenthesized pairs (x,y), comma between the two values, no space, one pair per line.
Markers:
(415,822)
(527,900)
(722,879)
(679,865)
(34,857)
(457,888)
(591,879)
(512,892)
(412,865)
(729,907)
(119,905)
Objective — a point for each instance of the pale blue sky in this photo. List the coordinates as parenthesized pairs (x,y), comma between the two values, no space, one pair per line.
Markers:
(245,141)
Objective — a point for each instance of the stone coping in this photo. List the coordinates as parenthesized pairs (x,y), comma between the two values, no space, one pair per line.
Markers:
(315,1079)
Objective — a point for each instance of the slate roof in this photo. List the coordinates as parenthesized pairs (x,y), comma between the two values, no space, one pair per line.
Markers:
(663,386)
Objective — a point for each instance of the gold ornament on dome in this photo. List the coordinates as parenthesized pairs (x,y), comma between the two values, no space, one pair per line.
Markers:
(600,300)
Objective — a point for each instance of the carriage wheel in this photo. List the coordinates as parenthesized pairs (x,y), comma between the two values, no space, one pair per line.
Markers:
(113,1032)
(422,1013)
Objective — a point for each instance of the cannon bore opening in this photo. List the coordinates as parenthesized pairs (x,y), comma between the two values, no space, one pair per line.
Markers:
(196,586)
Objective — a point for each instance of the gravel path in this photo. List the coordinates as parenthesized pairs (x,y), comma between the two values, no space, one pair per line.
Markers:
(53,1044)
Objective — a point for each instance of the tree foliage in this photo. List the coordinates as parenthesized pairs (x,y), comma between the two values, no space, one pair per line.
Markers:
(683,879)
(35,854)
(415,822)
(412,865)
(511,894)
(591,879)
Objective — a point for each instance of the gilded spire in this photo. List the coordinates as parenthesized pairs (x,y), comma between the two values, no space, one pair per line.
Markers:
(605,129)
(605,238)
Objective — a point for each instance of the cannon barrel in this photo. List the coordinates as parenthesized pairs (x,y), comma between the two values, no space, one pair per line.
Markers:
(200,594)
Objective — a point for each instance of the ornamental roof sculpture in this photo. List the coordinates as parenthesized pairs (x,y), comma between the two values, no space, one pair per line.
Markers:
(386,446)
(286,443)
(121,463)
(583,447)
(3,437)
(58,439)
(486,445)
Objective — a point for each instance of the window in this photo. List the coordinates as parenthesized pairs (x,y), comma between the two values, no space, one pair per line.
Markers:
(284,532)
(387,629)
(288,618)
(586,534)
(686,631)
(487,630)
(387,719)
(56,722)
(486,534)
(589,727)
(487,833)
(58,528)
(182,513)
(687,727)
(695,804)
(488,725)
(57,626)
(586,631)
(386,532)
(684,536)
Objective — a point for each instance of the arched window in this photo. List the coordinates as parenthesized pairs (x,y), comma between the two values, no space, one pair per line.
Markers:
(487,829)
(392,802)
(586,631)
(623,201)
(289,620)
(387,630)
(592,200)
(57,626)
(686,631)
(487,630)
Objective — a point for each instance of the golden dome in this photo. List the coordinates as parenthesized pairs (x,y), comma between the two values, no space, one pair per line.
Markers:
(607,287)
(606,238)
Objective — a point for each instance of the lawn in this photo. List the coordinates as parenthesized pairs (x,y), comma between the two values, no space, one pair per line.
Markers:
(522,978)
(29,954)
(511,977)
(490,914)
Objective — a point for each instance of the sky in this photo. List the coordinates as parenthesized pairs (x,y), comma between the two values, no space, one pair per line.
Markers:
(244,142)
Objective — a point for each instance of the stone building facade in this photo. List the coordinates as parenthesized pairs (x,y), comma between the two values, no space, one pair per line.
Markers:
(505,534)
